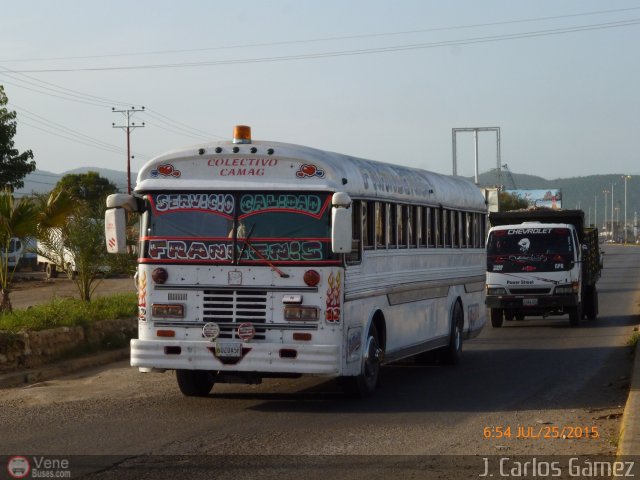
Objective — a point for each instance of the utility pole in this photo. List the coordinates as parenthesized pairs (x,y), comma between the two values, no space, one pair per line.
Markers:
(128,114)
(625,177)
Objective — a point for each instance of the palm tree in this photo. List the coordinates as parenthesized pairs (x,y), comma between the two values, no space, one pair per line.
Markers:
(25,218)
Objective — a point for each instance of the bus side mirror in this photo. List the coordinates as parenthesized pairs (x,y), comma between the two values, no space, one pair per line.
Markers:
(341,225)
(115,230)
(122,200)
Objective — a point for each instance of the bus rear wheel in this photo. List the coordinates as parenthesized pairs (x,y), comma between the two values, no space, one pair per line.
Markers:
(453,352)
(364,384)
(195,383)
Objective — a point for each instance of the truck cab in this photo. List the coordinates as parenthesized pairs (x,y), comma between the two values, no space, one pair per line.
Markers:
(537,268)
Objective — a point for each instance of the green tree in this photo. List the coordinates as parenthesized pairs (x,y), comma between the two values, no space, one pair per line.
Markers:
(14,166)
(511,201)
(78,247)
(23,218)
(89,188)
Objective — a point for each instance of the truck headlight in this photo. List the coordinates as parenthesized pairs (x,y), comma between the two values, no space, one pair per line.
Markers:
(496,291)
(566,289)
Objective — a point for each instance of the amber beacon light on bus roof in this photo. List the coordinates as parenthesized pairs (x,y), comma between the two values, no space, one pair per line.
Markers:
(241,134)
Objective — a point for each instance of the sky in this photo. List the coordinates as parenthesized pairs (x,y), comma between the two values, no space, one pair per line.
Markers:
(383,80)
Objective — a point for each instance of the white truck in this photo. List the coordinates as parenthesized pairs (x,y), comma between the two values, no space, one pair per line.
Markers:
(53,262)
(21,254)
(541,262)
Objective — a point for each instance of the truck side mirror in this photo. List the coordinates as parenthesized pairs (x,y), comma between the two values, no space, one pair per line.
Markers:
(341,226)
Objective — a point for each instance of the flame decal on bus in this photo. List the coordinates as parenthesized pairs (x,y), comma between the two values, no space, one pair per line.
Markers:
(332,314)
(142,296)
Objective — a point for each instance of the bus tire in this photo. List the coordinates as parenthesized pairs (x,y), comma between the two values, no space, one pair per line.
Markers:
(497,317)
(195,383)
(364,384)
(50,271)
(575,315)
(452,353)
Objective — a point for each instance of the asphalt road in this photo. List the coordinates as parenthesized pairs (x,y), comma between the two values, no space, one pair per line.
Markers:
(535,377)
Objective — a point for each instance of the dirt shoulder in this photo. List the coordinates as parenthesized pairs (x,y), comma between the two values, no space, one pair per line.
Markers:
(30,289)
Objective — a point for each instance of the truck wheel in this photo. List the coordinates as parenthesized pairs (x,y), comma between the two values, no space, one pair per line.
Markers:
(575,315)
(496,317)
(363,385)
(50,271)
(195,383)
(591,304)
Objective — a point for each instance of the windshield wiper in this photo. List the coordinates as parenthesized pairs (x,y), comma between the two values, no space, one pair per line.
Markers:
(268,262)
(245,243)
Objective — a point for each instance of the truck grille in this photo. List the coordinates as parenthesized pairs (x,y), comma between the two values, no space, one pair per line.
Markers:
(226,307)
(529,291)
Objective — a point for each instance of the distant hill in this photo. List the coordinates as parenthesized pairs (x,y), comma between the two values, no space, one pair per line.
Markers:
(42,181)
(585,193)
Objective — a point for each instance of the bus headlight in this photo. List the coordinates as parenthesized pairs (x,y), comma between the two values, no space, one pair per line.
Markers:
(296,313)
(167,310)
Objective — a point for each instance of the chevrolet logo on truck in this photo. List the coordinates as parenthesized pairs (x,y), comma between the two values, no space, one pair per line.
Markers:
(528,231)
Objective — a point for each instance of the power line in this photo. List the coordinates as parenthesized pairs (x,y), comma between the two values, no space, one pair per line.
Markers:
(342,53)
(57,126)
(88,99)
(326,39)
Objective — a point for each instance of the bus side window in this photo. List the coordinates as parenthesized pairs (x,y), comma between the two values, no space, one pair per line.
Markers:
(401,225)
(435,222)
(368,225)
(421,226)
(391,225)
(355,256)
(414,226)
(446,237)
(380,225)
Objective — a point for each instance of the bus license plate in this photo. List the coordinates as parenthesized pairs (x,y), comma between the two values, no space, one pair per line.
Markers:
(529,302)
(229,350)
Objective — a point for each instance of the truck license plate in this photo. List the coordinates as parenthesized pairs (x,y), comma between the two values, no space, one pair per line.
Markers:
(229,350)
(529,302)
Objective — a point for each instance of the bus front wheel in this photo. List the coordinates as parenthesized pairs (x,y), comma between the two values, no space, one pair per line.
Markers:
(195,383)
(364,384)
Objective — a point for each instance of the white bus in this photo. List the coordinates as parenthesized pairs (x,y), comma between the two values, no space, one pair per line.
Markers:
(264,259)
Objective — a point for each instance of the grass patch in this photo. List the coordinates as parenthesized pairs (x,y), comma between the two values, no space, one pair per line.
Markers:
(70,312)
(633,341)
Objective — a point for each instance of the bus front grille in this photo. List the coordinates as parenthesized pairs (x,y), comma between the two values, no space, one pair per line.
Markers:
(235,306)
(530,291)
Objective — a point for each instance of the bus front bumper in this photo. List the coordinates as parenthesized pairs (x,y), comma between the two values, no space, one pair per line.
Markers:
(254,357)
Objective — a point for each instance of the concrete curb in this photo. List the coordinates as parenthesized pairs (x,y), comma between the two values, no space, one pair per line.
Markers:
(54,370)
(629,443)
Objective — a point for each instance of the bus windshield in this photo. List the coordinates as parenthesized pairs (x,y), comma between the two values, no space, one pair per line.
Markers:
(530,249)
(238,227)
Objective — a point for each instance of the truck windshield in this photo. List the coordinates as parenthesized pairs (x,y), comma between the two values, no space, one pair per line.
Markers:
(530,249)
(237,227)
